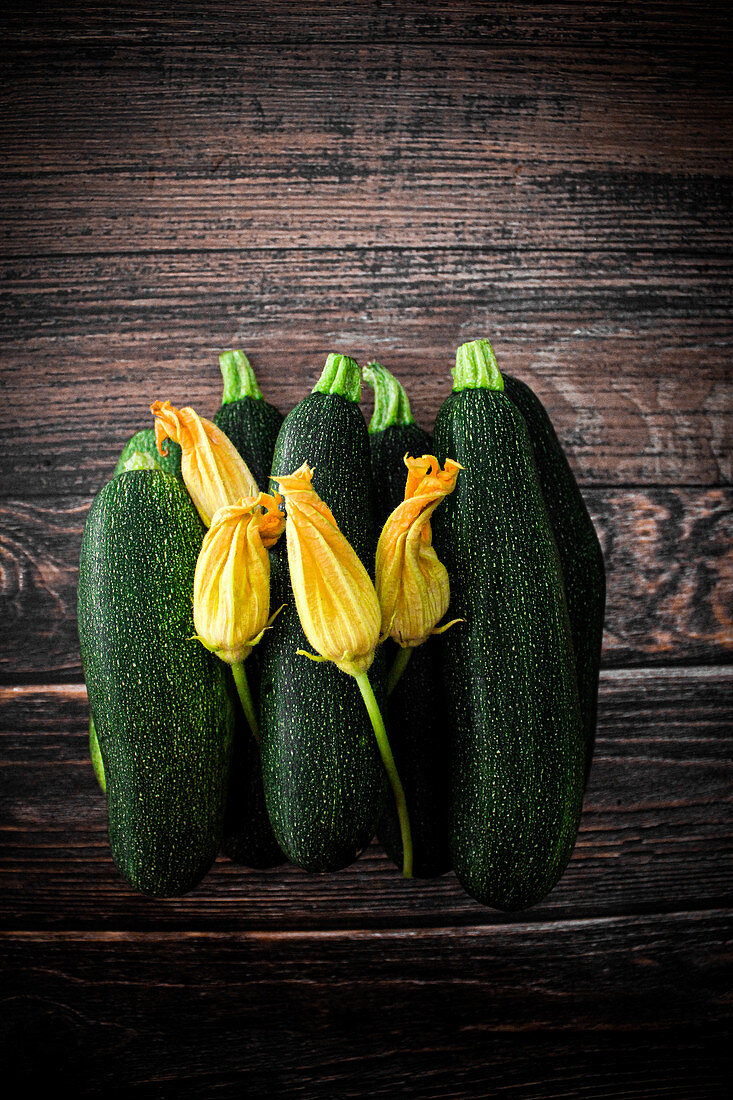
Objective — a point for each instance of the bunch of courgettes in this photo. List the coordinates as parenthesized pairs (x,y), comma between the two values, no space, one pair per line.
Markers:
(491,722)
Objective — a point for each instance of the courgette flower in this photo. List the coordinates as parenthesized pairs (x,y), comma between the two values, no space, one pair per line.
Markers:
(334,595)
(231,588)
(412,584)
(213,471)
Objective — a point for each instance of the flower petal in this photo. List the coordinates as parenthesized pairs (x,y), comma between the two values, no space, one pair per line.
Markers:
(213,470)
(334,595)
(412,584)
(232,580)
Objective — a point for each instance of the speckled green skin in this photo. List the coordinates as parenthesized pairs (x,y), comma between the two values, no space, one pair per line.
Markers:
(415,718)
(252,425)
(388,449)
(248,837)
(161,703)
(144,442)
(324,779)
(509,674)
(577,543)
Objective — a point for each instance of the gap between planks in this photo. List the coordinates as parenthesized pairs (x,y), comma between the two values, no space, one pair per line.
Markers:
(466,931)
(713,673)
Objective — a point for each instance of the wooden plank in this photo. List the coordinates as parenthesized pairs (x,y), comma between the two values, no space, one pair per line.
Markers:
(655,832)
(214,147)
(653,26)
(526,1010)
(519,199)
(630,355)
(481,87)
(667,554)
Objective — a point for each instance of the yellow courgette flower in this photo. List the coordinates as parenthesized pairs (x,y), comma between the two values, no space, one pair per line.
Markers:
(213,471)
(231,588)
(412,584)
(336,600)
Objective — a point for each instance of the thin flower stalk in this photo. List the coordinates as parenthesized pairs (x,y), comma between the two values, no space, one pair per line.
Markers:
(231,593)
(213,471)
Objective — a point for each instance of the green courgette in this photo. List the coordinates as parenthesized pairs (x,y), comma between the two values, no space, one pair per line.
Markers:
(143,442)
(248,838)
(161,703)
(580,551)
(508,670)
(250,422)
(414,713)
(324,780)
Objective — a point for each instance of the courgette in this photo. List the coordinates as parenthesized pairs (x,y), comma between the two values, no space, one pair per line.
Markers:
(130,459)
(580,551)
(414,715)
(248,838)
(324,780)
(143,442)
(161,704)
(250,422)
(508,671)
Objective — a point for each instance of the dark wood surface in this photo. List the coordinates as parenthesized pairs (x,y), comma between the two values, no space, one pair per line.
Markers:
(388,180)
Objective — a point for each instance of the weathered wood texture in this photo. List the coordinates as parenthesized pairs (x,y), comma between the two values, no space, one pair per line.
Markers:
(623,1006)
(493,149)
(386,179)
(652,26)
(658,801)
(629,352)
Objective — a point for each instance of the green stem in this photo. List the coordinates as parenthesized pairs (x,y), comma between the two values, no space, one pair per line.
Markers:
(239,378)
(388,759)
(341,376)
(140,460)
(245,698)
(391,406)
(399,666)
(476,367)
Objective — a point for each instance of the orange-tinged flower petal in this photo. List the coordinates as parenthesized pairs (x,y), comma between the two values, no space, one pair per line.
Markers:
(231,589)
(213,470)
(412,584)
(336,600)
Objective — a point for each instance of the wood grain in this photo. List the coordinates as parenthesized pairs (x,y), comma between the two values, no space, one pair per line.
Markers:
(630,355)
(478,202)
(302,107)
(504,144)
(667,553)
(654,834)
(424,1013)
(654,27)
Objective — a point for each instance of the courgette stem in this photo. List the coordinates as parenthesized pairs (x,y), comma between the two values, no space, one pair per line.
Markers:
(399,666)
(140,460)
(476,367)
(239,378)
(245,698)
(340,377)
(380,733)
(391,404)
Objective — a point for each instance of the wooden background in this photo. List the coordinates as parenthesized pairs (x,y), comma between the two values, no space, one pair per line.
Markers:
(386,180)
